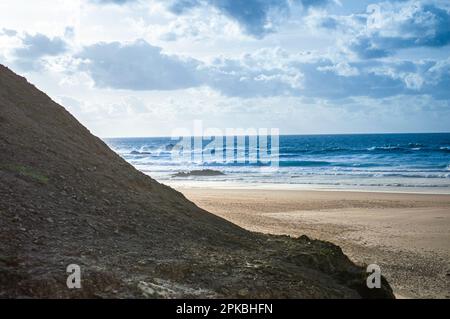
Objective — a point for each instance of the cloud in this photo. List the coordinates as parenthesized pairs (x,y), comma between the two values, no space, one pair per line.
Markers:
(341,69)
(388,27)
(118,2)
(36,47)
(138,66)
(8,32)
(375,79)
(365,48)
(263,73)
(199,26)
(267,73)
(408,26)
(141,66)
(256,17)
(349,60)
(315,76)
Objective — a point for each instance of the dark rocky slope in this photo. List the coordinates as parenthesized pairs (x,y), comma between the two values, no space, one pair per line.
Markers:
(65,198)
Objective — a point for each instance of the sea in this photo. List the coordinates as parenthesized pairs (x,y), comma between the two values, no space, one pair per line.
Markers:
(394,162)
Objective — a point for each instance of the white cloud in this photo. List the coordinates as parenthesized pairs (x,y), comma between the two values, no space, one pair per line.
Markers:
(139,69)
(387,27)
(341,68)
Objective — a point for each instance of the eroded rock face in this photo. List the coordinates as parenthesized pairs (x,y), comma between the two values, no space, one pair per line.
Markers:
(66,198)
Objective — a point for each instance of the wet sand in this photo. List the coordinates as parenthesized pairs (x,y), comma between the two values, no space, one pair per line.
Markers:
(407,235)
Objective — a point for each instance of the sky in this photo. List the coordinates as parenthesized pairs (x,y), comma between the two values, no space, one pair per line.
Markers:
(149,67)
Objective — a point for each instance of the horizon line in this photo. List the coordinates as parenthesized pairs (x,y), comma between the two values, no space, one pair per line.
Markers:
(294,134)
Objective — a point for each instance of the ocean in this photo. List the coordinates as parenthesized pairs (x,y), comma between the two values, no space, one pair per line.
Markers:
(403,162)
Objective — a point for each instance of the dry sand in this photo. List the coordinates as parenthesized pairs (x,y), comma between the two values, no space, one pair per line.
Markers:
(407,235)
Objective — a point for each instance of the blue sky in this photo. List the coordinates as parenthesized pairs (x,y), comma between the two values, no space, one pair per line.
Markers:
(147,67)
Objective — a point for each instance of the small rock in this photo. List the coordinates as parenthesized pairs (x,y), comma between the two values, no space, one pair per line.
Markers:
(243,292)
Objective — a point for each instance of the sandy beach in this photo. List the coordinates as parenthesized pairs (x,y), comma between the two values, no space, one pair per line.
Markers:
(407,235)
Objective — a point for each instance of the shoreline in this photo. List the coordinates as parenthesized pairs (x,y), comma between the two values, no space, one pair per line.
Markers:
(224,185)
(407,234)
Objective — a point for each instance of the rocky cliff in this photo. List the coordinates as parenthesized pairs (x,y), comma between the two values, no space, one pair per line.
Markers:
(66,198)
